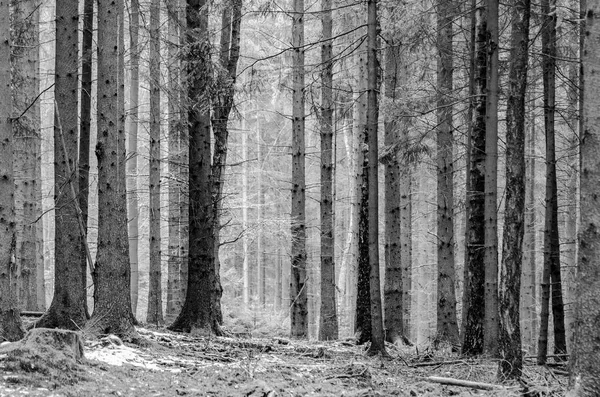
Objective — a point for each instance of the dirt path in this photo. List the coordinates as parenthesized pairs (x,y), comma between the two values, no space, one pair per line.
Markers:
(180,365)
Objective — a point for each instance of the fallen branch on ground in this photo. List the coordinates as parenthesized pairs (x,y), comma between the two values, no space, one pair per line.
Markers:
(464,383)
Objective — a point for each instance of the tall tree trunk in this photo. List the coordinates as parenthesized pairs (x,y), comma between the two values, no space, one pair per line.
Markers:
(490,332)
(406,249)
(474,291)
(529,270)
(132,172)
(585,360)
(155,314)
(245,248)
(27,153)
(199,313)
(68,307)
(393,287)
(328,327)
(85,126)
(511,356)
(230,52)
(112,276)
(447,324)
(377,332)
(260,209)
(11,328)
(551,278)
(174,301)
(299,278)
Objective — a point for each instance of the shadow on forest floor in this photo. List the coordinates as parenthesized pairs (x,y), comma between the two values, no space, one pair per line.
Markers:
(183,365)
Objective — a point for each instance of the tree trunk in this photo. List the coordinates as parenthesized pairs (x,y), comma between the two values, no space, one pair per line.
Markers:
(230,52)
(447,324)
(406,249)
(174,301)
(85,127)
(27,153)
(199,313)
(585,359)
(511,356)
(154,314)
(245,249)
(474,291)
(112,306)
(299,278)
(551,279)
(68,308)
(260,209)
(328,327)
(490,332)
(11,328)
(528,275)
(393,287)
(132,172)
(377,332)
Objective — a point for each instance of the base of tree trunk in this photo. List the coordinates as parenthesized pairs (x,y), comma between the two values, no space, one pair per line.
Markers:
(186,325)
(11,328)
(56,317)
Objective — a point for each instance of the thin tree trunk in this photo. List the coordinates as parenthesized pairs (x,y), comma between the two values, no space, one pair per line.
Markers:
(406,249)
(511,355)
(68,307)
(447,324)
(132,177)
(245,250)
(377,331)
(154,314)
(11,328)
(393,288)
(260,238)
(174,301)
(27,153)
(474,291)
(299,278)
(585,359)
(230,52)
(328,327)
(551,279)
(490,332)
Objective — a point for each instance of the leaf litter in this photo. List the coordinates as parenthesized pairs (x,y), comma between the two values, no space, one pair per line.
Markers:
(173,364)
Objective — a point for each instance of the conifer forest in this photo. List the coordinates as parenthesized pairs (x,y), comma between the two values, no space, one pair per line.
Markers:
(293,197)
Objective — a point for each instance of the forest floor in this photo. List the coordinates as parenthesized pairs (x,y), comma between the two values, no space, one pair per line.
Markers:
(171,364)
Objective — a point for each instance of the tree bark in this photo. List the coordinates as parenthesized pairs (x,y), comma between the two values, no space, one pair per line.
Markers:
(299,278)
(585,359)
(328,327)
(230,53)
(112,276)
(132,172)
(68,308)
(447,324)
(11,328)
(155,313)
(474,291)
(174,299)
(551,278)
(511,356)
(199,313)
(27,154)
(377,332)
(393,287)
